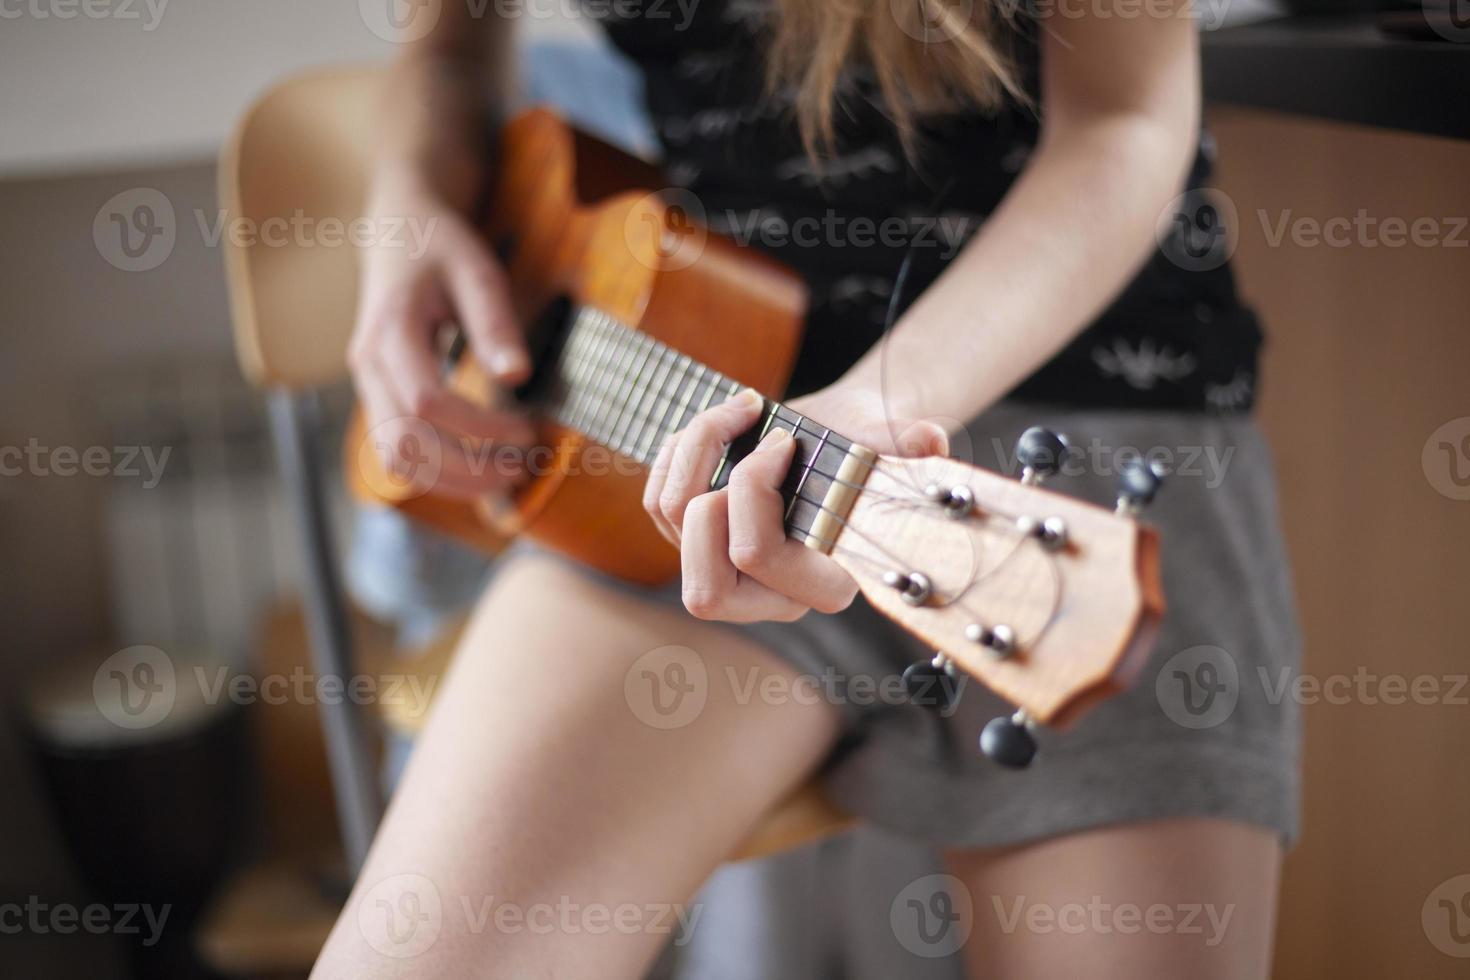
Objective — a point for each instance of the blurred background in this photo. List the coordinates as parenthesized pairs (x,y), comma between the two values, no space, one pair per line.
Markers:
(142,508)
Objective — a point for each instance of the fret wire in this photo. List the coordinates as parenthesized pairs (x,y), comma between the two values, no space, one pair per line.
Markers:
(638,391)
(612,391)
(806,470)
(828,438)
(587,356)
(570,368)
(699,373)
(607,353)
(650,427)
(646,346)
(601,360)
(599,337)
(606,404)
(826,435)
(580,354)
(621,378)
(714,383)
(606,394)
(602,377)
(606,332)
(650,391)
(657,432)
(770,417)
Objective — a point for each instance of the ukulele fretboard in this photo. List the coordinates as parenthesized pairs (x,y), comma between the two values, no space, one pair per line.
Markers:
(629,392)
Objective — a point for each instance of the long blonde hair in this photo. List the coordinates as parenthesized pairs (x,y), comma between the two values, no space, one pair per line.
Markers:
(926,56)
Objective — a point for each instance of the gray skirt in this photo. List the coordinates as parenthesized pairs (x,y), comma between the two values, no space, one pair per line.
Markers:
(1206,731)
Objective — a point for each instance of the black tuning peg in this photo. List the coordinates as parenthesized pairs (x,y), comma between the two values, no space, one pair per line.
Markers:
(1007,741)
(931,684)
(1042,453)
(1138,483)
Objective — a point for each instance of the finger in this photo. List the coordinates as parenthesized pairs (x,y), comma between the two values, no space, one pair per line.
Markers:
(713,587)
(482,304)
(698,451)
(417,377)
(759,547)
(657,475)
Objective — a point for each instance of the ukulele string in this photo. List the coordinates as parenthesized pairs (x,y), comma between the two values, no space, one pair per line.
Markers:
(911,498)
(802,425)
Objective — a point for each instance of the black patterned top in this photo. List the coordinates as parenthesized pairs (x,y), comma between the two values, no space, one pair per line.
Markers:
(1176,338)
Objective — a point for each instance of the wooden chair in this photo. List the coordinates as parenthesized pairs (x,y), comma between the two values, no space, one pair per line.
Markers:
(303,149)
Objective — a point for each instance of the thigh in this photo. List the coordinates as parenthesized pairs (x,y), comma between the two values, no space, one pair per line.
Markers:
(590,759)
(1169,898)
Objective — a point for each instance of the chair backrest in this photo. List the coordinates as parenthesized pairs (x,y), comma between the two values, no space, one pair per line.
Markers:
(293,174)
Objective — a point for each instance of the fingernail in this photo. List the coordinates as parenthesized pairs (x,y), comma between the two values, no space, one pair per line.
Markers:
(506,362)
(750,398)
(775,437)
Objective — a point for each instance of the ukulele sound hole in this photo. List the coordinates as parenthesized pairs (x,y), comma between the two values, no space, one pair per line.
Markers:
(545,337)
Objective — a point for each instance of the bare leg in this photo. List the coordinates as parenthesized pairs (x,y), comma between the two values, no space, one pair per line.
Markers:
(1172,898)
(543,803)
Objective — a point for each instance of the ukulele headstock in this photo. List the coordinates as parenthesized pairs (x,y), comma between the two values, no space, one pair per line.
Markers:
(1050,601)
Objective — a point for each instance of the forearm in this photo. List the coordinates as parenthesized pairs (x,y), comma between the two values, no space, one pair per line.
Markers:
(440,94)
(1069,236)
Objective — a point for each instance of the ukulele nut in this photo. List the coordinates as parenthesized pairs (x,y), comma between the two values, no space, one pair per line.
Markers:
(998,640)
(914,587)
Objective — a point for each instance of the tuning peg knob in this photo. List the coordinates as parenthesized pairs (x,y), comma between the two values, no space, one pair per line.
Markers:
(1007,741)
(1138,483)
(914,587)
(1042,453)
(930,684)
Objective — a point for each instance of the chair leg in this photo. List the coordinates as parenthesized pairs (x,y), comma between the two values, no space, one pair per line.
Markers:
(295,430)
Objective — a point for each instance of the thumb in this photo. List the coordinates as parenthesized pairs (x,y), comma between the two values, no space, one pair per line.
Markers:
(920,438)
(480,292)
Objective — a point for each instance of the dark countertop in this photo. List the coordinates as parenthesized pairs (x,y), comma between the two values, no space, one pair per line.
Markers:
(1342,68)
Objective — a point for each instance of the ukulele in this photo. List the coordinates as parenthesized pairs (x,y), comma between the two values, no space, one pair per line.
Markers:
(640,318)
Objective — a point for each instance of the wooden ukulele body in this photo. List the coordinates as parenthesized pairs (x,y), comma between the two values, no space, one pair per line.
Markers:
(576,219)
